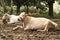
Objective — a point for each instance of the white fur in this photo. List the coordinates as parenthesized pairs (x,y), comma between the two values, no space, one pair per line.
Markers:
(12,18)
(36,23)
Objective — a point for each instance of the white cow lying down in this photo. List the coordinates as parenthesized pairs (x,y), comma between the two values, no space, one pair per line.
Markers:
(36,23)
(9,18)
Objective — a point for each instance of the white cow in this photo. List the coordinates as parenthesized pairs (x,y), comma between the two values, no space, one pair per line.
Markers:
(36,23)
(9,18)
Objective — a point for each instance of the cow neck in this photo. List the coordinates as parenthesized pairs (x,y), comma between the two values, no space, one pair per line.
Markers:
(27,19)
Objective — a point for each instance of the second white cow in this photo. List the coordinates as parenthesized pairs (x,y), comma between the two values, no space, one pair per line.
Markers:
(9,19)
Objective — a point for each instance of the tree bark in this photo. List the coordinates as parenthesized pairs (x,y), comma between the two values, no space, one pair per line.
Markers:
(11,7)
(4,6)
(50,9)
(18,9)
(27,6)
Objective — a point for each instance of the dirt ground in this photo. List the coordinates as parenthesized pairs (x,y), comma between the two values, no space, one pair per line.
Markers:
(6,33)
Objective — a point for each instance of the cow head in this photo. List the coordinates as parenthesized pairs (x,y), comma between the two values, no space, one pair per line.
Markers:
(22,16)
(5,18)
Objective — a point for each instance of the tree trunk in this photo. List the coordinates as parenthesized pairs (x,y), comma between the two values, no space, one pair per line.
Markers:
(27,9)
(27,6)
(4,6)
(11,7)
(50,9)
(18,9)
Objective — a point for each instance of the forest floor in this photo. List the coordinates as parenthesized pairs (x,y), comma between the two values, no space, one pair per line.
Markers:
(6,33)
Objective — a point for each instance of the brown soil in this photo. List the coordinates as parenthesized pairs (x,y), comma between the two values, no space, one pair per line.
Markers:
(6,33)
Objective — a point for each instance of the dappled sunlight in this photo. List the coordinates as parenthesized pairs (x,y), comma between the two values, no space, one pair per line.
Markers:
(56,7)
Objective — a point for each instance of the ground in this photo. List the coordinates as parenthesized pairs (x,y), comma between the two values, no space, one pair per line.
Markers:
(6,33)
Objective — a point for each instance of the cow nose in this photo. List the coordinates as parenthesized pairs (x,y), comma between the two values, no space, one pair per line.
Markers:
(18,19)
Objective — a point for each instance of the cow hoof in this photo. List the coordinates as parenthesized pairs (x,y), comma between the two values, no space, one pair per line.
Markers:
(25,29)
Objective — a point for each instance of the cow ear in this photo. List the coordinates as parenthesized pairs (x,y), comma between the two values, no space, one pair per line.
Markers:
(7,15)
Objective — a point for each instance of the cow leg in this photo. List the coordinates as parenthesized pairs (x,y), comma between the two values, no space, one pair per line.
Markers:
(17,27)
(48,26)
(27,27)
(23,25)
(45,29)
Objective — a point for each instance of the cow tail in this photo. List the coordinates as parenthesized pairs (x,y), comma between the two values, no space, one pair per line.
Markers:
(55,24)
